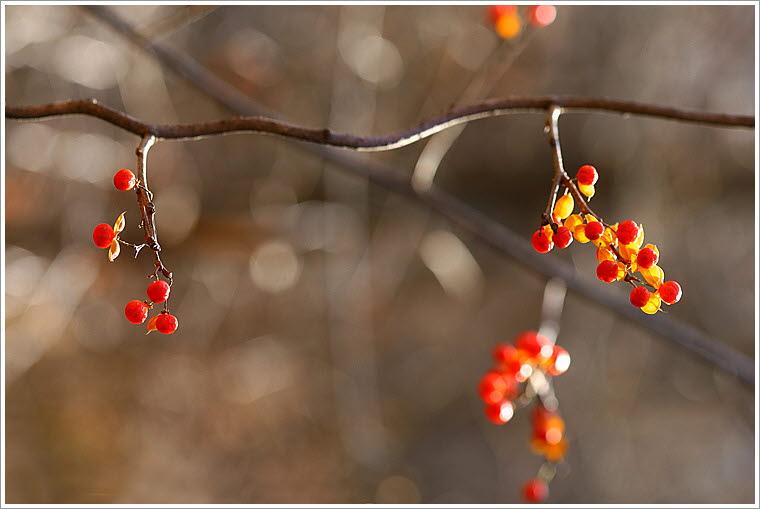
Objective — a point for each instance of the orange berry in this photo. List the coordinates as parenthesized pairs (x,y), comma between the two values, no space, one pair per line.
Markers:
(158,291)
(587,175)
(608,271)
(562,238)
(594,230)
(124,180)
(508,26)
(541,242)
(559,362)
(166,323)
(535,345)
(103,235)
(535,490)
(670,292)
(646,258)
(639,296)
(627,232)
(493,388)
(501,412)
(136,311)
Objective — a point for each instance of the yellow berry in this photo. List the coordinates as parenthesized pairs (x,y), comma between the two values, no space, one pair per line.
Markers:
(564,206)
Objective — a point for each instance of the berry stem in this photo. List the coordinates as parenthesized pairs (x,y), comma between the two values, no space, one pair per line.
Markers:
(147,207)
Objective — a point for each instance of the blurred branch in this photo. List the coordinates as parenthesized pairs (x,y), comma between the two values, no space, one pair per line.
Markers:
(487,230)
(265,125)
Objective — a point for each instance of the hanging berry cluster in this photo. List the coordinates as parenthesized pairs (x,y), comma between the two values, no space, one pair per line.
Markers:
(521,374)
(508,23)
(105,236)
(619,246)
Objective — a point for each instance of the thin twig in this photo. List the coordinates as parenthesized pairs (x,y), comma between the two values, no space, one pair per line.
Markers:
(147,207)
(390,141)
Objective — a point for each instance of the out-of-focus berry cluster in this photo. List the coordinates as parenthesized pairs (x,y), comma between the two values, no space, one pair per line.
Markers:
(619,247)
(514,365)
(508,23)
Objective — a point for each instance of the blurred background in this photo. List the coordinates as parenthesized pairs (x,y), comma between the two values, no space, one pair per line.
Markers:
(332,335)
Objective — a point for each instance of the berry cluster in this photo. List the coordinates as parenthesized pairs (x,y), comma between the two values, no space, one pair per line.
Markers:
(508,23)
(500,389)
(514,365)
(136,311)
(106,236)
(619,250)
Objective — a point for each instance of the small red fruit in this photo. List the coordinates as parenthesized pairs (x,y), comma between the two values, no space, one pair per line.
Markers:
(594,230)
(103,235)
(497,11)
(670,292)
(587,175)
(647,258)
(541,242)
(562,238)
(124,180)
(535,490)
(627,232)
(560,361)
(639,296)
(534,344)
(136,311)
(542,15)
(501,412)
(166,323)
(607,271)
(492,388)
(158,291)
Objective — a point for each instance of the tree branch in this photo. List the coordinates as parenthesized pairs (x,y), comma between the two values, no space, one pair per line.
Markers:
(265,125)
(463,216)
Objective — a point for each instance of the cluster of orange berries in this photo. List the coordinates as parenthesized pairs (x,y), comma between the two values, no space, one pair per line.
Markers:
(619,250)
(514,365)
(508,23)
(136,311)
(106,236)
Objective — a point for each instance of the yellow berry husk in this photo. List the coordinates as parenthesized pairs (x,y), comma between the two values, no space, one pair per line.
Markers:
(654,275)
(509,26)
(580,234)
(564,206)
(607,238)
(548,232)
(573,221)
(653,248)
(555,452)
(604,253)
(151,326)
(537,446)
(627,251)
(653,304)
(639,238)
(587,191)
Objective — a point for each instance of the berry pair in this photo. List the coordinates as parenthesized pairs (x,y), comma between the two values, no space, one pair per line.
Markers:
(508,23)
(136,311)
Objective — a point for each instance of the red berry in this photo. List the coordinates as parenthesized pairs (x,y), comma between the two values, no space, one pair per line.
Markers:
(158,291)
(647,258)
(560,361)
(594,230)
(534,344)
(627,232)
(639,296)
(504,353)
(587,175)
(562,238)
(542,15)
(535,490)
(541,242)
(166,323)
(501,412)
(492,388)
(136,311)
(670,292)
(497,11)
(124,180)
(607,271)
(103,235)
